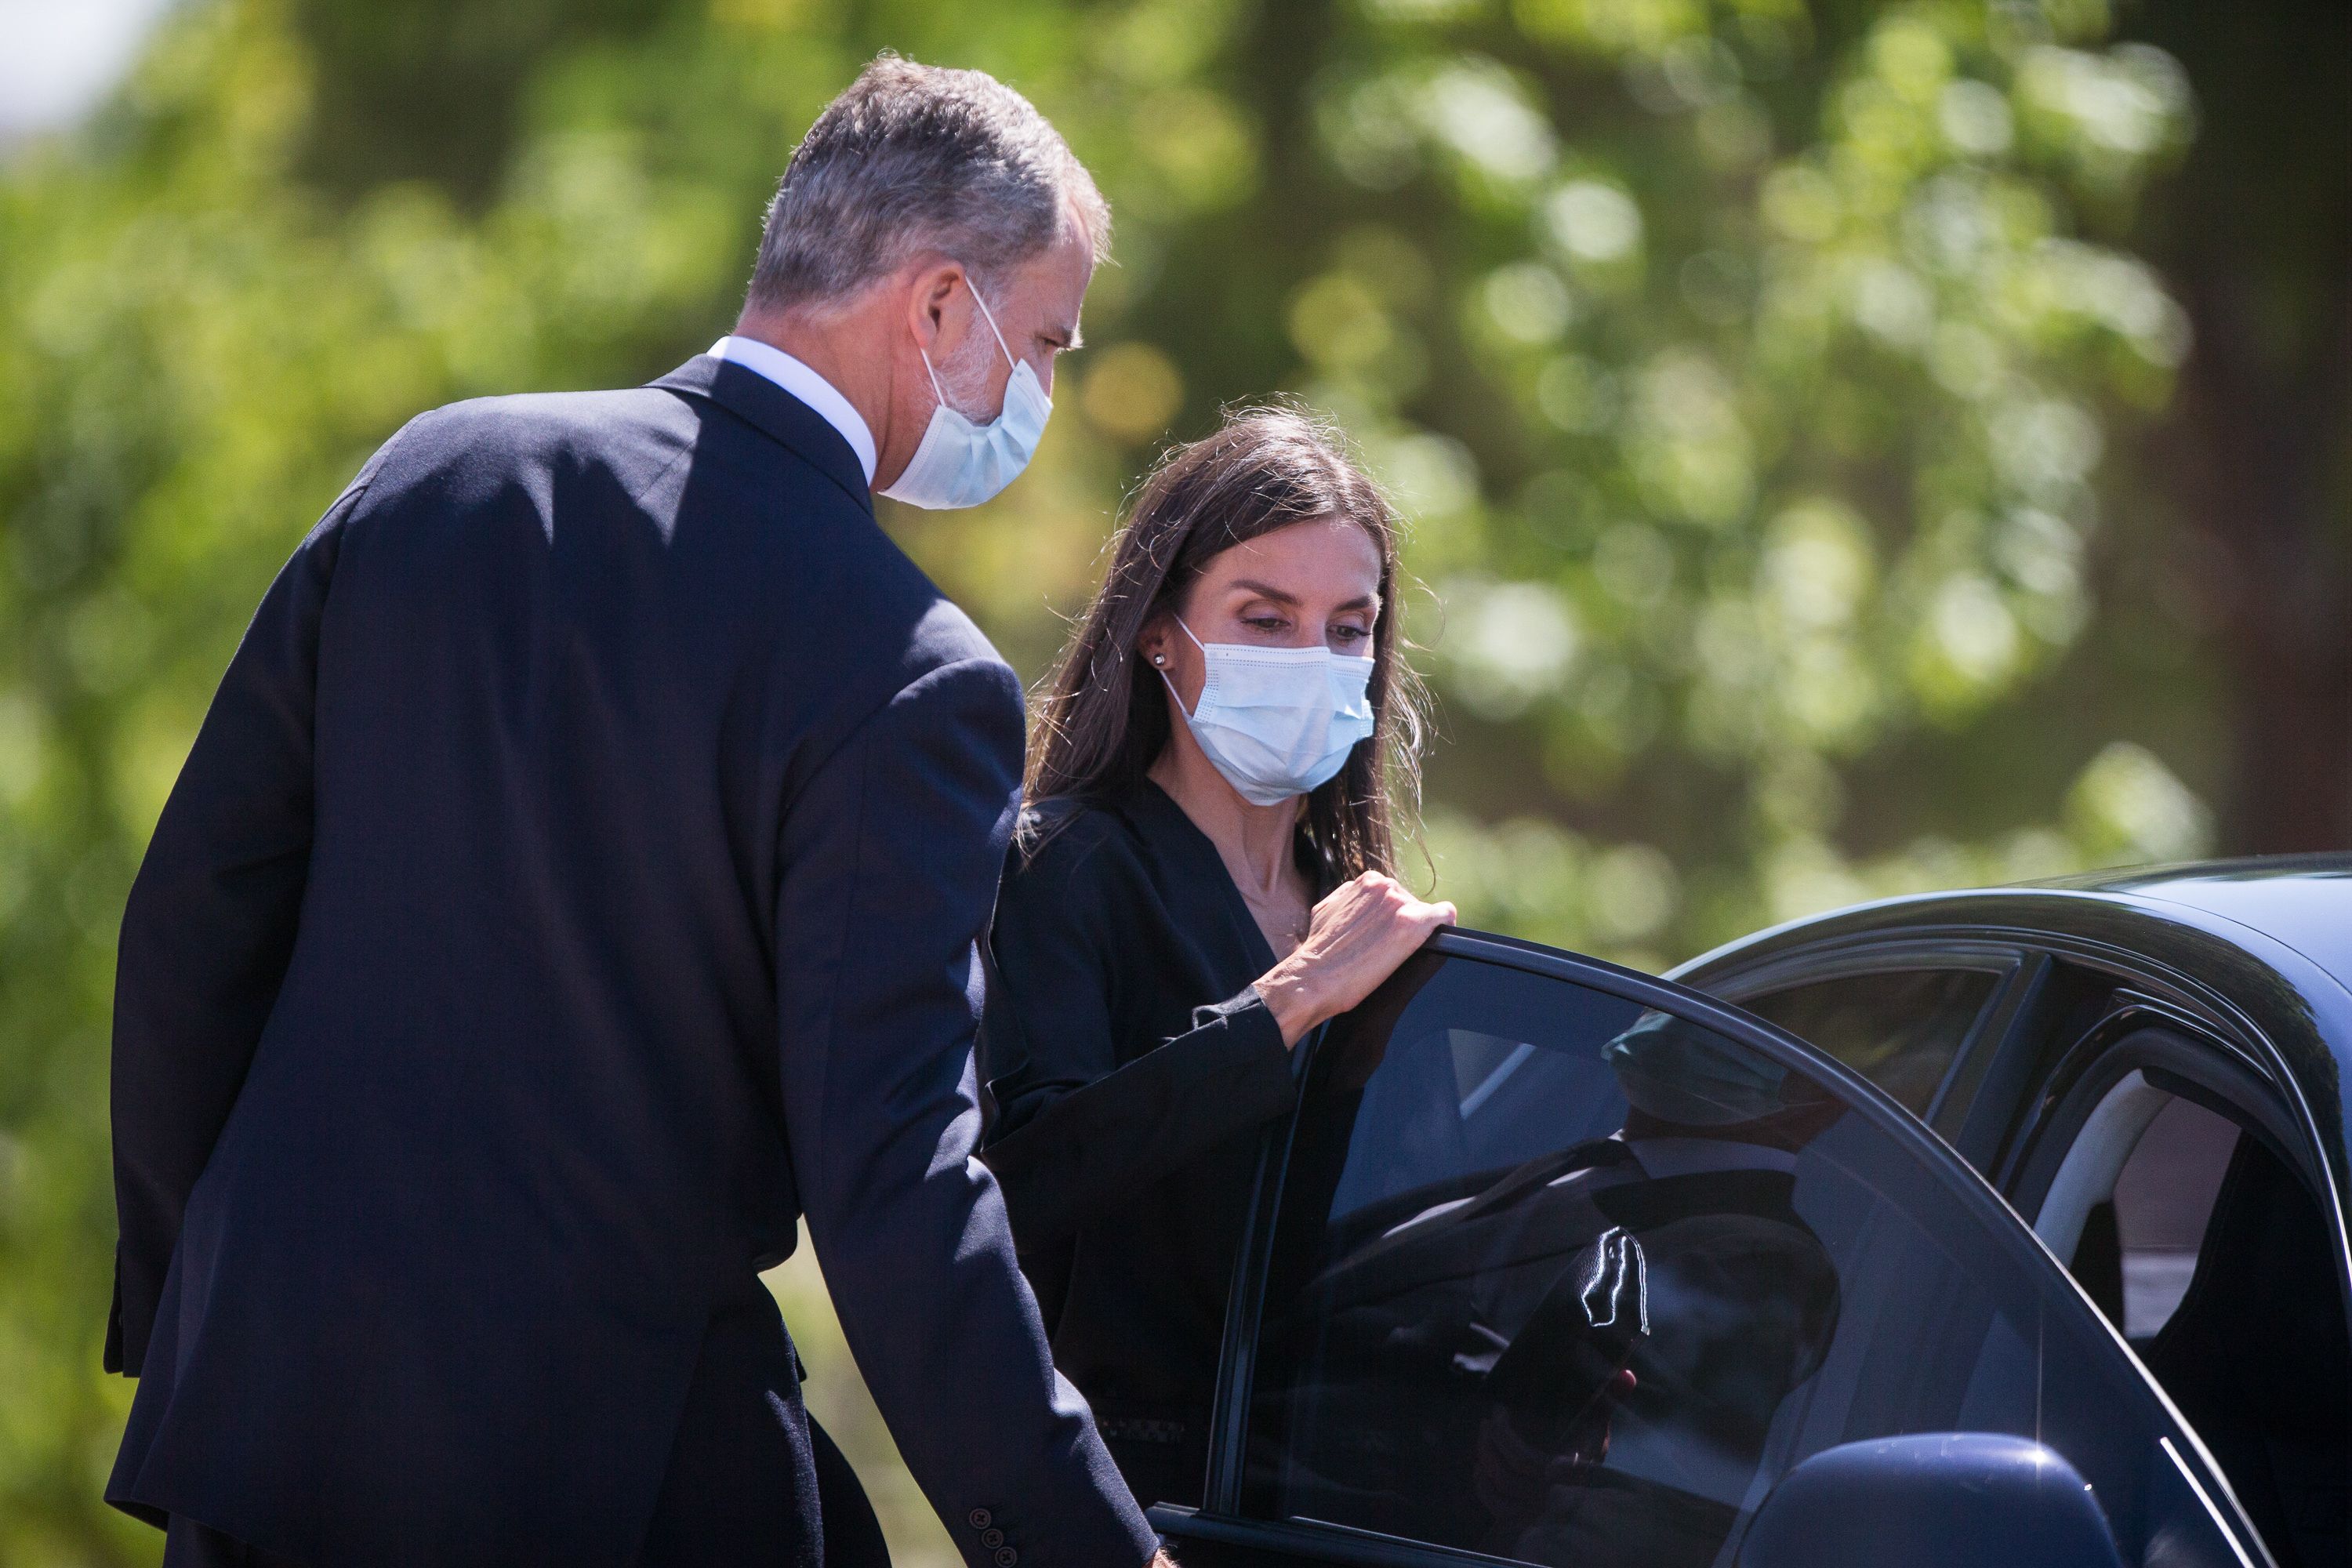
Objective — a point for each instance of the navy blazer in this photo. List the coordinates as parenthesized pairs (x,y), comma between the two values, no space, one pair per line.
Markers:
(572,886)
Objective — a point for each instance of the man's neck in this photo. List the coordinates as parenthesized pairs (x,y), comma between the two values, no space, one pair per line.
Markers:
(836,345)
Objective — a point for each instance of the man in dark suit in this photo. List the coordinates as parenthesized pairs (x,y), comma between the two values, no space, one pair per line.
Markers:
(573,888)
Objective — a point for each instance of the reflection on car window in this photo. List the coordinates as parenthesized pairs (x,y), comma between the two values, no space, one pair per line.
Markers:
(1899,1028)
(1568,1280)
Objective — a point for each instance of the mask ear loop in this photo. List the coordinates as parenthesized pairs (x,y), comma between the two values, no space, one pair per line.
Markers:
(1173,695)
(990,317)
(940,391)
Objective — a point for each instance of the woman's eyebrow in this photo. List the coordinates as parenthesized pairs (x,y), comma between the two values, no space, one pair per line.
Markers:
(1268,591)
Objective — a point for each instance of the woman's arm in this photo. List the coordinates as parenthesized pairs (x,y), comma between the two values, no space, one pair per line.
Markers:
(1083,1116)
(1077,1129)
(1079,1151)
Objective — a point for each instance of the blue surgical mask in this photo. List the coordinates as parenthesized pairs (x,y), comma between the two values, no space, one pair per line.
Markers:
(1277,721)
(959,463)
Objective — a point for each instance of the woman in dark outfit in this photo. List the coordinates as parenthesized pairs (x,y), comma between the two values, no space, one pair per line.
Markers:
(1200,879)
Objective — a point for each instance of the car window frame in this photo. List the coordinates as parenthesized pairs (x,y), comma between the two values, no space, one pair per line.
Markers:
(2178,1058)
(2143,989)
(2012,965)
(1218,1518)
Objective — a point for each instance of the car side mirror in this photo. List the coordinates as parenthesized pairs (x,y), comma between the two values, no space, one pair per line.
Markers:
(1938,1500)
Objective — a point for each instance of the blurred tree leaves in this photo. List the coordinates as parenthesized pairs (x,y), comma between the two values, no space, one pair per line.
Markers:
(1754,373)
(1793,364)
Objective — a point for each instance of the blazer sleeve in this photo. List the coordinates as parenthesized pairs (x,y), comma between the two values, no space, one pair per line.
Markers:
(1083,1116)
(890,857)
(209,926)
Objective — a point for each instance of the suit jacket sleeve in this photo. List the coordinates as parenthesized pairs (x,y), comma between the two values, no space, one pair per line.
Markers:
(209,927)
(890,854)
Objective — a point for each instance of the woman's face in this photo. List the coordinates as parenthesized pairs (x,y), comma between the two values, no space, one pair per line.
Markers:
(1313,582)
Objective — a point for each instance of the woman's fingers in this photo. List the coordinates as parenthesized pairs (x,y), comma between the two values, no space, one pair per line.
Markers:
(1358,936)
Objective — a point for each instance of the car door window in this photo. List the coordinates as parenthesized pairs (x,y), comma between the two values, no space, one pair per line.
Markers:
(1564,1273)
(2212,1256)
(1900,1028)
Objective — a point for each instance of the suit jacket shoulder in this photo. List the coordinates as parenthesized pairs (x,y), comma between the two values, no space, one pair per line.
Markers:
(737,502)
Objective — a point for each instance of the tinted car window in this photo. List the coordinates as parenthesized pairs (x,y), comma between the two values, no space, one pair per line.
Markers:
(1899,1028)
(1566,1279)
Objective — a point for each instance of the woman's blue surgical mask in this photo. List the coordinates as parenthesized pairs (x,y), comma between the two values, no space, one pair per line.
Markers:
(1277,721)
(959,463)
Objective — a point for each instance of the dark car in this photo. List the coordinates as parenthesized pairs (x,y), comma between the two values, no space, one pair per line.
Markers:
(2000,1227)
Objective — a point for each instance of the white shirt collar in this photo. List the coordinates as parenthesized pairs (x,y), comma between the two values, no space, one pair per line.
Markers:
(808,386)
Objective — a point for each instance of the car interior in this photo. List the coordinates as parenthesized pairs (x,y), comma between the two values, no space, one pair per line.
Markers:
(1899,1027)
(2181,1219)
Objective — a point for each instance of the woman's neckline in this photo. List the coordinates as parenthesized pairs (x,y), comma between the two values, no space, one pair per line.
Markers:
(1237,907)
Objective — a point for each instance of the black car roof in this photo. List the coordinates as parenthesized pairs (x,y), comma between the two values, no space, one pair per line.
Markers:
(2273,938)
(2303,901)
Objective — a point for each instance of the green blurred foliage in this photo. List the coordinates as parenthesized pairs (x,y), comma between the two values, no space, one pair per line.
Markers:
(1793,370)
(1748,371)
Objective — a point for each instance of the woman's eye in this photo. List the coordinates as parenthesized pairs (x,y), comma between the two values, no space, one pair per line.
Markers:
(1265,623)
(1349,634)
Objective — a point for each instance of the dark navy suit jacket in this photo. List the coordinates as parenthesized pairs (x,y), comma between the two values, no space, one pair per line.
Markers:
(572,886)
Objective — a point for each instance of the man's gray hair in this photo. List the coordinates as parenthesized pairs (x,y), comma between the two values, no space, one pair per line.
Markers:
(915,158)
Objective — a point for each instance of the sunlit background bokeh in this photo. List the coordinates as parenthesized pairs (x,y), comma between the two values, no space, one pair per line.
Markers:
(1851,448)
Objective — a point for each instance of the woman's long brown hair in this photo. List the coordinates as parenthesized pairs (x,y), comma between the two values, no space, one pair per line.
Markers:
(1105,716)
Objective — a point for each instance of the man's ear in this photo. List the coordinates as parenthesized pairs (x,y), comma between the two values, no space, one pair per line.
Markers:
(932,310)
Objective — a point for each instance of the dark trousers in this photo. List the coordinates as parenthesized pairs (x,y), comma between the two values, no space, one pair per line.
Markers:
(753,1480)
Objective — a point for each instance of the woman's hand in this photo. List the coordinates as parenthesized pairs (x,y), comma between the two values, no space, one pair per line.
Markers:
(1357,937)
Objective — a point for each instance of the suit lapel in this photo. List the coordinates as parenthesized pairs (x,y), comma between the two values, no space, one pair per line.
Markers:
(776,414)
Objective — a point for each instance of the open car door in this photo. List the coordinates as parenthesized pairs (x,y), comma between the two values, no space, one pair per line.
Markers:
(1562,1265)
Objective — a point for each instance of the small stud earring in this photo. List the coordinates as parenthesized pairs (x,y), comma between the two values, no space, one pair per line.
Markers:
(1160,659)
